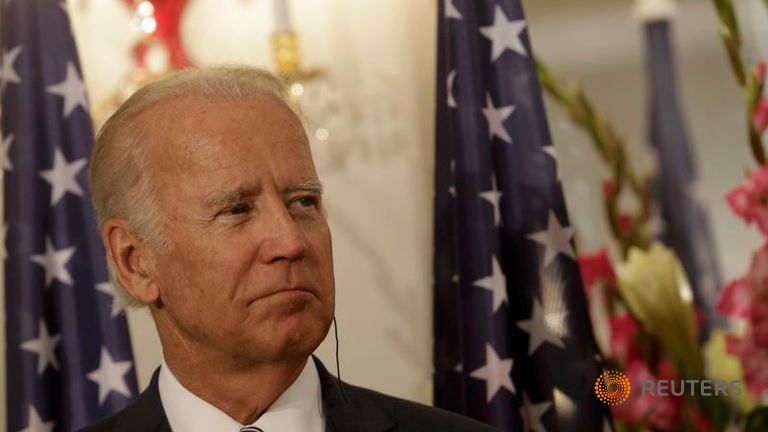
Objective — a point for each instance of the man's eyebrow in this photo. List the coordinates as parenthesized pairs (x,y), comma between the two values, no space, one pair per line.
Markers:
(227,198)
(309,185)
(236,195)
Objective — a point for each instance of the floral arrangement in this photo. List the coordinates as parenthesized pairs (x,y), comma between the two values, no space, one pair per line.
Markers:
(641,305)
(745,299)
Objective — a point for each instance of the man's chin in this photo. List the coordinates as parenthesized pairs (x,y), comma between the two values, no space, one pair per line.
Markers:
(295,341)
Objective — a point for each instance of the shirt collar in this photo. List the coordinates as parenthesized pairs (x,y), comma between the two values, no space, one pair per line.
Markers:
(299,408)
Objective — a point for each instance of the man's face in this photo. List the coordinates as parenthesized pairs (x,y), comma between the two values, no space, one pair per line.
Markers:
(250,273)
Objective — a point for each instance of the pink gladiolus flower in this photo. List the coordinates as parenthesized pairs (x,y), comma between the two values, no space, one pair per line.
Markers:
(609,189)
(760,115)
(758,274)
(750,199)
(701,422)
(625,223)
(660,412)
(753,361)
(760,72)
(747,298)
(758,324)
(623,330)
(698,320)
(596,267)
(735,298)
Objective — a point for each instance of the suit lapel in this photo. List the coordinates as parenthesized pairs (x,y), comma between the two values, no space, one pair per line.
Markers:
(146,413)
(350,412)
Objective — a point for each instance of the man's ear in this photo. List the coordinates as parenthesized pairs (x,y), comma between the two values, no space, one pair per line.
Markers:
(131,260)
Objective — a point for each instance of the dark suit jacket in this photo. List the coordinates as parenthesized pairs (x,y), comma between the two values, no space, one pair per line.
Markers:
(359,410)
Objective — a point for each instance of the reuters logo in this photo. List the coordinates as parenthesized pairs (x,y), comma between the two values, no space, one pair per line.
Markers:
(612,387)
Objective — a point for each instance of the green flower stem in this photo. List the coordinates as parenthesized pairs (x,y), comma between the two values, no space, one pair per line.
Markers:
(611,149)
(729,33)
(754,90)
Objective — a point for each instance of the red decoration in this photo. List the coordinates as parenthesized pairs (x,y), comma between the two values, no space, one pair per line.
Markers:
(168,17)
(596,267)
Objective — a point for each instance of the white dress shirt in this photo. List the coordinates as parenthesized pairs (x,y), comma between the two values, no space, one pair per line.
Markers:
(298,409)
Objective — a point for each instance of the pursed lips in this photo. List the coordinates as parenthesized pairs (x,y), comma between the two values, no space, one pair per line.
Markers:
(287,290)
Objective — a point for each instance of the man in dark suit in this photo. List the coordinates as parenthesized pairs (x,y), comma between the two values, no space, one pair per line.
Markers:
(211,213)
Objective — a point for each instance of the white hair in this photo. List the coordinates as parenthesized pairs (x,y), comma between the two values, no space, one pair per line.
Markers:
(118,176)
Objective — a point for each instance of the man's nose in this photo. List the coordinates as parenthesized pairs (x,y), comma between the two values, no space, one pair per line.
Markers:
(283,239)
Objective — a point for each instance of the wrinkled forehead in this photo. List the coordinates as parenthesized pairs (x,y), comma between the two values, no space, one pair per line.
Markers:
(188,131)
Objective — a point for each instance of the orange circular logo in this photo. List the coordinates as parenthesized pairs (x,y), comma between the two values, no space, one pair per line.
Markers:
(612,387)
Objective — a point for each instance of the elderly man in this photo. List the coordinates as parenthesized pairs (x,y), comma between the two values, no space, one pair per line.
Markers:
(212,215)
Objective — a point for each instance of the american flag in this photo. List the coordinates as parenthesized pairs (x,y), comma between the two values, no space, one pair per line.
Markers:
(513,340)
(681,221)
(68,356)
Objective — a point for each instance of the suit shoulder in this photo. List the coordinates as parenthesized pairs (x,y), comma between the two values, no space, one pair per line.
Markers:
(145,413)
(415,417)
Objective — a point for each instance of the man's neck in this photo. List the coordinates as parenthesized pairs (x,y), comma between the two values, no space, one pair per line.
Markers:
(243,394)
(240,388)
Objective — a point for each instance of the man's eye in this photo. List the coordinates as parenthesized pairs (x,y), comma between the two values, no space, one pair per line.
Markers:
(237,209)
(307,201)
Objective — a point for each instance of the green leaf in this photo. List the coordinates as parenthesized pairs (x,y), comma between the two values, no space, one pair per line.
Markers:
(715,409)
(757,420)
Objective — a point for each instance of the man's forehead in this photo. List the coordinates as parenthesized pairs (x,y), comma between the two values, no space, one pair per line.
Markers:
(194,109)
(195,125)
(215,144)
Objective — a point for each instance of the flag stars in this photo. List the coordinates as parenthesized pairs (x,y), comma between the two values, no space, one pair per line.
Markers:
(607,426)
(496,283)
(45,348)
(449,84)
(55,263)
(452,187)
(531,414)
(36,424)
(451,11)
(110,376)
(72,89)
(504,34)
(106,288)
(6,148)
(63,176)
(496,373)
(493,196)
(552,152)
(3,235)
(496,117)
(552,285)
(556,239)
(8,73)
(565,407)
(109,289)
(538,330)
